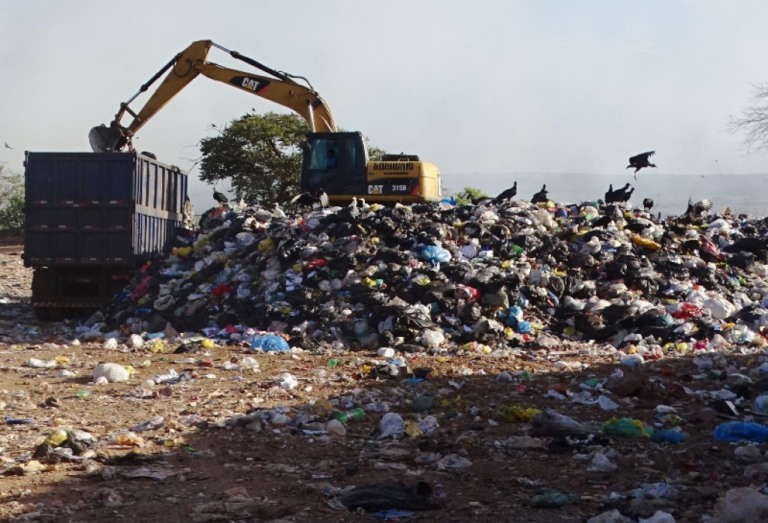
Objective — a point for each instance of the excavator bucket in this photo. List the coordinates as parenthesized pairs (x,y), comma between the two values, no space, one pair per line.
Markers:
(105,139)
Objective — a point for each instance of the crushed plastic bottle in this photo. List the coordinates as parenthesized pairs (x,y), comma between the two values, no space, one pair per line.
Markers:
(356,414)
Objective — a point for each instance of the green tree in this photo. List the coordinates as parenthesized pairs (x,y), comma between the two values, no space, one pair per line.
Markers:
(468,195)
(260,155)
(374,153)
(11,203)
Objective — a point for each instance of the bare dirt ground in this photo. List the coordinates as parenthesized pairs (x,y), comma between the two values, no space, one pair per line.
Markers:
(202,464)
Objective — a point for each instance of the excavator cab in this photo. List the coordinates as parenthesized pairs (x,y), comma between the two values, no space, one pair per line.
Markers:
(336,163)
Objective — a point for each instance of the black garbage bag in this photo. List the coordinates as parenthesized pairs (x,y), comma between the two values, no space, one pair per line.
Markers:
(389,495)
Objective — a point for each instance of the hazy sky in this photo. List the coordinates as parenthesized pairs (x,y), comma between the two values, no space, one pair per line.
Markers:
(485,88)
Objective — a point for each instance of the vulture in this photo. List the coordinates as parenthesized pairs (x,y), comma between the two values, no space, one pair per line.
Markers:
(618,195)
(609,194)
(507,194)
(647,204)
(624,197)
(540,196)
(641,160)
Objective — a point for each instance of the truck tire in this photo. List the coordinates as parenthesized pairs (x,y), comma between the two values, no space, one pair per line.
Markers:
(43,313)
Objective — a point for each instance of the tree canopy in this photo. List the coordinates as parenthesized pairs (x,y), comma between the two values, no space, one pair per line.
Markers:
(260,155)
(468,195)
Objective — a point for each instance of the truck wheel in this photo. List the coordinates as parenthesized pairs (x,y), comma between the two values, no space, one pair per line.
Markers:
(43,313)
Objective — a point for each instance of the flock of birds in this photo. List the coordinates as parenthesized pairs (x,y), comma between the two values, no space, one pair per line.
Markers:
(639,161)
(319,198)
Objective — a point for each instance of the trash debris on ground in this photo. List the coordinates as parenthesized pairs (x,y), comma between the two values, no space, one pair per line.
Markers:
(432,341)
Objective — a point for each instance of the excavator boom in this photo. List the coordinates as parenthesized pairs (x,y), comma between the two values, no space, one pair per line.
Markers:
(334,162)
(280,88)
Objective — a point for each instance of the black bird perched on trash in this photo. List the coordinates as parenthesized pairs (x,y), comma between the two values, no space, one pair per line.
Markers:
(540,196)
(618,195)
(609,194)
(611,213)
(641,160)
(647,204)
(507,194)
(626,195)
(219,197)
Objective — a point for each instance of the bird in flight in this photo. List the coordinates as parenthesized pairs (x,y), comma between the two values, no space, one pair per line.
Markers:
(7,146)
(641,160)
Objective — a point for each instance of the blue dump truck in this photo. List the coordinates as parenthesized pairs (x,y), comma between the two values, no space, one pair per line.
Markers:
(91,220)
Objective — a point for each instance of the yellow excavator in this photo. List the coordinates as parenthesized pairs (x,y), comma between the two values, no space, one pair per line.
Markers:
(336,162)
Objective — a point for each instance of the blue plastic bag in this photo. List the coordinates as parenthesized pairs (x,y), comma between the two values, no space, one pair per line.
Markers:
(435,254)
(524,327)
(741,431)
(270,343)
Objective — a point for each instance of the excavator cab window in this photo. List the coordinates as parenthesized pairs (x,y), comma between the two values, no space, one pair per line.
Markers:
(335,162)
(324,154)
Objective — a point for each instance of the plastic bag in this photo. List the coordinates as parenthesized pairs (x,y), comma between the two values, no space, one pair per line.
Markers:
(270,343)
(435,254)
(741,431)
(627,427)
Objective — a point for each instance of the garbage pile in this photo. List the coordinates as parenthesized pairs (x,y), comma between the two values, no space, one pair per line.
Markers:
(417,286)
(504,274)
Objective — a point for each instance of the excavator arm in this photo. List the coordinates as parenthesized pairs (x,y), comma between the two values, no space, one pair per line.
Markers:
(280,88)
